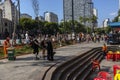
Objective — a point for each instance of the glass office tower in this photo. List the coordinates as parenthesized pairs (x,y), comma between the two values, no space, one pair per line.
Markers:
(83,8)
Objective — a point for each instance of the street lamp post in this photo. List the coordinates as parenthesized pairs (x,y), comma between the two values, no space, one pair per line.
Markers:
(14,28)
(72,16)
(16,19)
(18,5)
(64,13)
(73,30)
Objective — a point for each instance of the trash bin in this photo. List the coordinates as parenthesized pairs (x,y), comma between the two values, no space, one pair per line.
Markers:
(11,53)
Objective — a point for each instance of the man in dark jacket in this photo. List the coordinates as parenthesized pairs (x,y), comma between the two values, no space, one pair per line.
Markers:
(35,46)
(49,49)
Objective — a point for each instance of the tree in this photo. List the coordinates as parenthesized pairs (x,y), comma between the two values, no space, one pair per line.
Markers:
(108,29)
(94,18)
(69,26)
(65,27)
(31,25)
(79,27)
(103,30)
(27,24)
(83,19)
(117,17)
(50,28)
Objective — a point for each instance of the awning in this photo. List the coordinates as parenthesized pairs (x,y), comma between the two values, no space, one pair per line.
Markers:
(114,24)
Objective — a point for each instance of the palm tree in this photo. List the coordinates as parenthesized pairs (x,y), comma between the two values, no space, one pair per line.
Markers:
(117,17)
(93,20)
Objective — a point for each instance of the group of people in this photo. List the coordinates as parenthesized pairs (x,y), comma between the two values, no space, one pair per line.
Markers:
(44,45)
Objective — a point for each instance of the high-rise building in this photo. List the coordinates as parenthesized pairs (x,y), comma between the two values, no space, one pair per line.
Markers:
(83,8)
(9,10)
(51,17)
(41,18)
(105,22)
(25,15)
(9,16)
(95,13)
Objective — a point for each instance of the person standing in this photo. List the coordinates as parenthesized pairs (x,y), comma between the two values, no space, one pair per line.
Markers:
(6,45)
(26,37)
(104,49)
(49,49)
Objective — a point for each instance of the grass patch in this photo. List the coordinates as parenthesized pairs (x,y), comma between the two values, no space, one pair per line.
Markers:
(26,49)
(19,50)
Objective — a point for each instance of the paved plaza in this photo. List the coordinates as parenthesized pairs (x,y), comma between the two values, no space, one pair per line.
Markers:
(26,68)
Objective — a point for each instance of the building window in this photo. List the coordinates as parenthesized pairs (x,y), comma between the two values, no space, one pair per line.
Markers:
(6,24)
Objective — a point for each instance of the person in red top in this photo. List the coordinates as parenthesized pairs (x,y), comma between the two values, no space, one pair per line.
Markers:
(6,45)
(95,64)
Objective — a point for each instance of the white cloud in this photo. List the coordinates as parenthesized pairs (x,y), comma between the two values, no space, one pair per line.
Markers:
(113,13)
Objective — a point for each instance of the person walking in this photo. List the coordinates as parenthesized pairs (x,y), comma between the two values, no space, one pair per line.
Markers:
(43,46)
(49,49)
(35,45)
(6,45)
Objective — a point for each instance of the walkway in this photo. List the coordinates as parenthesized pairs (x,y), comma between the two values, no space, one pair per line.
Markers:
(25,68)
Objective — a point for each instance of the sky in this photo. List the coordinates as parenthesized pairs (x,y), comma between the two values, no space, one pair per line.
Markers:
(105,8)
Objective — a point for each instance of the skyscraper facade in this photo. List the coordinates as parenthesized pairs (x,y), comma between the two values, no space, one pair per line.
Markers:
(51,17)
(25,15)
(81,8)
(8,16)
(105,22)
(9,10)
(95,13)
